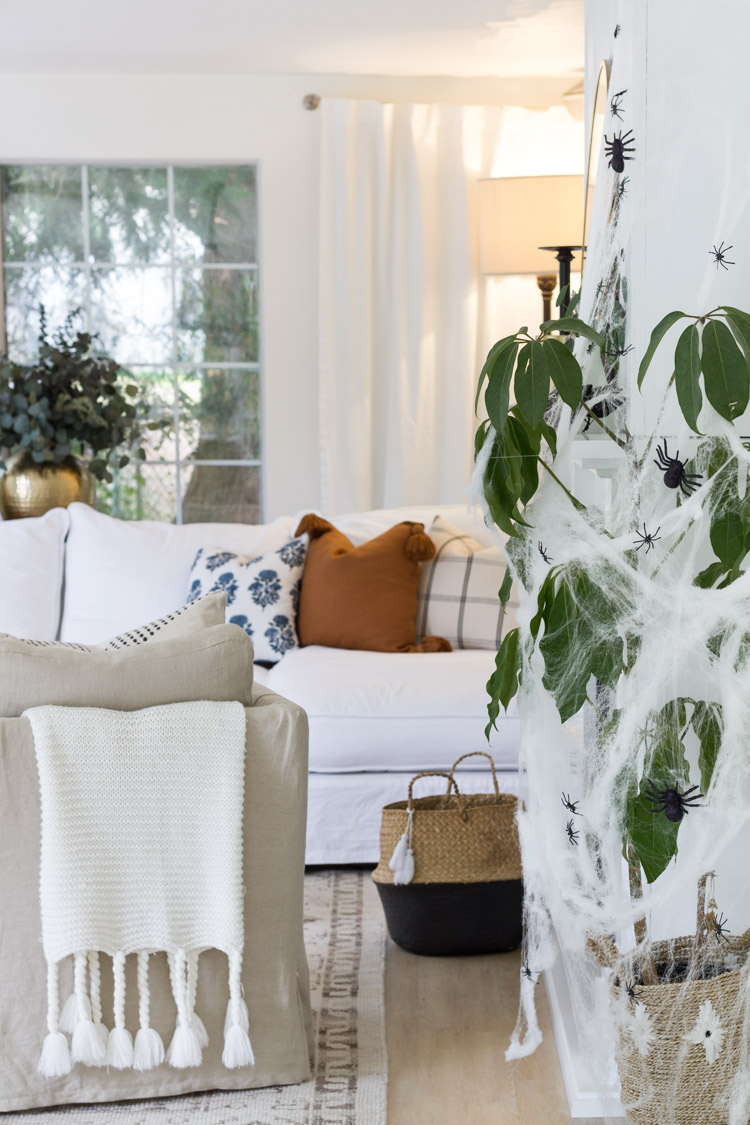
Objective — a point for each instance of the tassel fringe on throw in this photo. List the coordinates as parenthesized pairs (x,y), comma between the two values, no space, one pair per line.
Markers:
(93,1045)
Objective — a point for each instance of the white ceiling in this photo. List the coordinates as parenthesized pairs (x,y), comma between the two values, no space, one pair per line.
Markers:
(460,38)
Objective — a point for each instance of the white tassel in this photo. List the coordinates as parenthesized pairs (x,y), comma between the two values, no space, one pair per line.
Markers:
(120,1048)
(69,1014)
(88,1046)
(96,1002)
(399,853)
(244,1016)
(405,872)
(192,987)
(55,1060)
(120,1044)
(185,1049)
(402,860)
(238,1050)
(149,1049)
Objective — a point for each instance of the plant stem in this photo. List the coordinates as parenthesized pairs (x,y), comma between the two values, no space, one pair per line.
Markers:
(610,433)
(576,503)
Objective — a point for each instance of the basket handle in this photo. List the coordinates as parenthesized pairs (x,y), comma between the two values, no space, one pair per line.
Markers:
(472,754)
(431,773)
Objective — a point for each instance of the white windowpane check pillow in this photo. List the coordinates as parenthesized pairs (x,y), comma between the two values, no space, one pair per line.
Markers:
(458,591)
(262,593)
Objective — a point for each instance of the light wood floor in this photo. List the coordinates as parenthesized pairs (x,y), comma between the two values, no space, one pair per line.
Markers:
(448,1021)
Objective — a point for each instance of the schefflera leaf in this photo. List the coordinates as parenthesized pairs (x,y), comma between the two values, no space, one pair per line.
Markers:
(653,836)
(504,681)
(725,372)
(564,371)
(532,383)
(687,370)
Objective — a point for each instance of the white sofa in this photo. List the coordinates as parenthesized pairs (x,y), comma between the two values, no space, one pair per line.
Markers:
(375,718)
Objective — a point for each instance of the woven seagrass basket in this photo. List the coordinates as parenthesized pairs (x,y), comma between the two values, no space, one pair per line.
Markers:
(466,894)
(673,1081)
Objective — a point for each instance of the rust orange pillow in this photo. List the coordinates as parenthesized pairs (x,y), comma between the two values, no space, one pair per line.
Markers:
(363,597)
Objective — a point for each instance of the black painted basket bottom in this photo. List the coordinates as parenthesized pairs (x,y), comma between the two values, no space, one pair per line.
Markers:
(453,919)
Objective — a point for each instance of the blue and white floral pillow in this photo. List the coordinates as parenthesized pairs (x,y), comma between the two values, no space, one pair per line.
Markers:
(262,593)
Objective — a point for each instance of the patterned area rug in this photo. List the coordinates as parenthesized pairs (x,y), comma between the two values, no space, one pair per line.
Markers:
(345,940)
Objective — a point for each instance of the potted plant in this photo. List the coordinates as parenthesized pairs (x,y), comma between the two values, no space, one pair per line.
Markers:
(67,419)
(641,617)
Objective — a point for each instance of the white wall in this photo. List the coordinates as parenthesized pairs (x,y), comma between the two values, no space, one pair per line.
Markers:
(187,118)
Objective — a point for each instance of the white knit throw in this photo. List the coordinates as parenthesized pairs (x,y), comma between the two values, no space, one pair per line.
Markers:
(141,852)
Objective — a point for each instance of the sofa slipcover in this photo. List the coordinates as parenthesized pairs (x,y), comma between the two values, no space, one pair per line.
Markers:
(274,973)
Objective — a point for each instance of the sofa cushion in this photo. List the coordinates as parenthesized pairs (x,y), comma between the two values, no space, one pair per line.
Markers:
(32,553)
(458,591)
(430,708)
(119,574)
(214,663)
(262,593)
(361,597)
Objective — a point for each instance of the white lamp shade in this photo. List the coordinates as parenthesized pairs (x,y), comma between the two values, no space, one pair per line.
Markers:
(518,214)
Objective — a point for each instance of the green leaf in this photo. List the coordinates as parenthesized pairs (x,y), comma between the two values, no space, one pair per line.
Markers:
(549,436)
(505,588)
(654,838)
(564,644)
(532,390)
(739,323)
(497,395)
(492,355)
(707,723)
(544,601)
(564,371)
(528,458)
(728,539)
(657,336)
(503,683)
(725,371)
(687,369)
(706,579)
(576,327)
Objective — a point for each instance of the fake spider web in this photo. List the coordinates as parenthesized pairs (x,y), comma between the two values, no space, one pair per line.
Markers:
(682,1046)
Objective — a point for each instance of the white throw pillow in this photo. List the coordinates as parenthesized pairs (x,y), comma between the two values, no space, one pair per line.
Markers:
(202,613)
(262,593)
(120,573)
(458,591)
(32,553)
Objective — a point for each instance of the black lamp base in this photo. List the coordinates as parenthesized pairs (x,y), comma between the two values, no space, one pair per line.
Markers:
(564,255)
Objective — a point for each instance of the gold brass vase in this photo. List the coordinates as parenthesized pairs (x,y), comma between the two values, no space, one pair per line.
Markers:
(28,489)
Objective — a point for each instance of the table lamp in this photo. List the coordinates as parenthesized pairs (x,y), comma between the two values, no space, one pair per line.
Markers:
(524,218)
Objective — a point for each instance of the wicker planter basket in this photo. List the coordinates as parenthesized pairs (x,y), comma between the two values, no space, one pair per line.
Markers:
(673,1081)
(466,894)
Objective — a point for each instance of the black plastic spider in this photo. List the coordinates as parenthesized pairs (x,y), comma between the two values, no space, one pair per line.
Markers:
(542,551)
(615,104)
(616,353)
(572,833)
(629,986)
(617,30)
(647,538)
(526,972)
(606,405)
(720,927)
(623,187)
(718,253)
(619,149)
(601,287)
(674,471)
(670,801)
(571,806)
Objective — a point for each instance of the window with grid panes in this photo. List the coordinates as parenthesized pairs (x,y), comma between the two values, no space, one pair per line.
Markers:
(162,264)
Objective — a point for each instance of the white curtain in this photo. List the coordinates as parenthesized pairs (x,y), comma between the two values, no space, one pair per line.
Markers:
(402,331)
